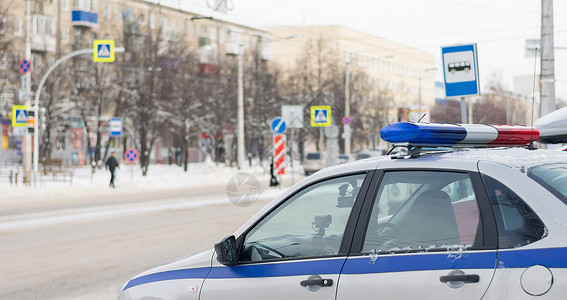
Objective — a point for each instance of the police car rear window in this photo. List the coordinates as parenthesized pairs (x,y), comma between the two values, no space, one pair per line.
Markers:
(553,177)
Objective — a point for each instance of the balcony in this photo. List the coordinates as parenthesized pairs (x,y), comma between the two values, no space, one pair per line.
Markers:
(265,49)
(208,60)
(43,43)
(84,18)
(233,48)
(204,41)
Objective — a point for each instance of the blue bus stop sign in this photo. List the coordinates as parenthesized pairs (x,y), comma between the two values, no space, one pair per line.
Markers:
(460,70)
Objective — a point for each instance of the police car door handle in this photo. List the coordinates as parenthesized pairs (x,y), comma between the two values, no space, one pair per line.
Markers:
(460,277)
(319,282)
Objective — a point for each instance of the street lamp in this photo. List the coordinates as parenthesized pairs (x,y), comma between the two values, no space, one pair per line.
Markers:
(419,91)
(240,154)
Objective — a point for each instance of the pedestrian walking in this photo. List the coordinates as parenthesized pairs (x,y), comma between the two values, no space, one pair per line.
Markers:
(112,164)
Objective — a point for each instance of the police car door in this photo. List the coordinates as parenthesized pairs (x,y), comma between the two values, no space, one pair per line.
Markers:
(422,238)
(296,251)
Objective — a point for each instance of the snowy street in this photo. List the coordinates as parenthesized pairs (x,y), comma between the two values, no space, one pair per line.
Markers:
(83,241)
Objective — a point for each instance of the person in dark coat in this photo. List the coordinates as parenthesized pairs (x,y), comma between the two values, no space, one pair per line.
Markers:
(111,164)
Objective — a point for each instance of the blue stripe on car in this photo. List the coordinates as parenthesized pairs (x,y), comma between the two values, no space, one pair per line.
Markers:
(551,258)
(168,275)
(330,266)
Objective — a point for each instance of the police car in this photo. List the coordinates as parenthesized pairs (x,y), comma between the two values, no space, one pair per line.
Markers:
(469,224)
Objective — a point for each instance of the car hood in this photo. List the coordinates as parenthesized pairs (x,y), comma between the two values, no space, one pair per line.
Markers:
(194,266)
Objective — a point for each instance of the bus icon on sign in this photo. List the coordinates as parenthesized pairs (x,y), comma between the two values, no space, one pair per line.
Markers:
(459,66)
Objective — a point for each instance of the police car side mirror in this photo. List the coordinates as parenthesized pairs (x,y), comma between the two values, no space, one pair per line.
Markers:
(226,251)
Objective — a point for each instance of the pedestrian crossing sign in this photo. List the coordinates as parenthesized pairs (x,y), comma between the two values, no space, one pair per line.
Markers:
(320,116)
(103,51)
(20,116)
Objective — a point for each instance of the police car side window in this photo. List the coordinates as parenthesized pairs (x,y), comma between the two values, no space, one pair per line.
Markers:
(423,211)
(518,225)
(309,224)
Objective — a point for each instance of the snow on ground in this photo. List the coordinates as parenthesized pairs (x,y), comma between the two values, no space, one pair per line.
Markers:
(129,179)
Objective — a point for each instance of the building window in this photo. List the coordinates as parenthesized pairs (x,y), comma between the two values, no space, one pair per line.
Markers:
(2,24)
(84,5)
(175,26)
(42,25)
(220,35)
(128,14)
(106,11)
(163,23)
(17,27)
(142,18)
(65,35)
(203,31)
(152,21)
(65,5)
(117,13)
(194,30)
(185,27)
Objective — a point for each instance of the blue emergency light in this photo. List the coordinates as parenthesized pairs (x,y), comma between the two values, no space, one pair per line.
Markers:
(438,134)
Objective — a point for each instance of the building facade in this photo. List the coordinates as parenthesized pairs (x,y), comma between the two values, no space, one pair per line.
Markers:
(398,81)
(59,27)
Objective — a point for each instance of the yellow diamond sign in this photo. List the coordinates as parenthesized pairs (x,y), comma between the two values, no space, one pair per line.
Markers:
(103,51)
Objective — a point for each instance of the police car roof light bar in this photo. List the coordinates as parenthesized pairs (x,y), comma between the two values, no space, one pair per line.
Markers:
(458,135)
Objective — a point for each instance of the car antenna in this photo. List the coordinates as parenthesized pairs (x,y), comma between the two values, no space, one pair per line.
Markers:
(531,146)
(421,118)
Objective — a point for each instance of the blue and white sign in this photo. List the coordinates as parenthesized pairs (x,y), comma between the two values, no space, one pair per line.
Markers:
(20,116)
(278,125)
(103,51)
(115,127)
(460,69)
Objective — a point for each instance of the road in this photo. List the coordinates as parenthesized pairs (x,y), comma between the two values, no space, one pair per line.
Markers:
(88,248)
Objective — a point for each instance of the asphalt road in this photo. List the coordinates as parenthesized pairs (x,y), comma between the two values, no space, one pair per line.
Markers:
(88,248)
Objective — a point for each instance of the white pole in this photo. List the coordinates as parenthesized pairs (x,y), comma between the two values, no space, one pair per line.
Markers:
(240,114)
(38,93)
(26,88)
(547,81)
(346,127)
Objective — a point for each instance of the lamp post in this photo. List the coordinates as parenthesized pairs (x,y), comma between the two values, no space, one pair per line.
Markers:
(240,154)
(38,93)
(346,127)
(419,91)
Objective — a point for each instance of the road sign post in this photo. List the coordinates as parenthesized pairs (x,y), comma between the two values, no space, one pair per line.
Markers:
(131,157)
(279,154)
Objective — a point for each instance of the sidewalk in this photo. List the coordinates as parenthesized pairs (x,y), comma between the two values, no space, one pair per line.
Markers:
(130,182)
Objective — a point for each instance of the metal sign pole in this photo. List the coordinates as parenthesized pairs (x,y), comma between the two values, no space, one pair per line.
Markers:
(464,111)
(291,157)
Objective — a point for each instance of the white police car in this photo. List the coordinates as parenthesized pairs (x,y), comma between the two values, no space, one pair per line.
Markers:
(472,224)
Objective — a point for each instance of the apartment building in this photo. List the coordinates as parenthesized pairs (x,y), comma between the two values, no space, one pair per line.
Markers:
(404,72)
(59,27)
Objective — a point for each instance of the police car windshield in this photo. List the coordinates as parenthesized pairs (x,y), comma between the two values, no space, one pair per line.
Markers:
(553,177)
